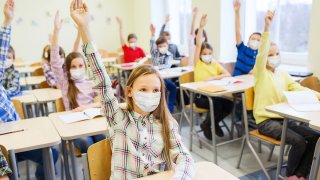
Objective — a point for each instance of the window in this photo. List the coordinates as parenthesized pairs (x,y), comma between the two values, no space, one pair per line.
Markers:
(291,27)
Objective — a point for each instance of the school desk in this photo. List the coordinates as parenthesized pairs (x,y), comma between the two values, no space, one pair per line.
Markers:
(203,170)
(34,81)
(175,72)
(70,132)
(38,133)
(24,63)
(26,71)
(288,113)
(193,88)
(314,173)
(45,96)
(27,99)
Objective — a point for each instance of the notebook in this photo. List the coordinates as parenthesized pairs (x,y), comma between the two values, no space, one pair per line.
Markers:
(211,88)
(305,101)
(81,116)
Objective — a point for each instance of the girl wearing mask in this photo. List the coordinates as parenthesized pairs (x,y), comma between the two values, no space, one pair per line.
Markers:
(144,136)
(77,92)
(207,69)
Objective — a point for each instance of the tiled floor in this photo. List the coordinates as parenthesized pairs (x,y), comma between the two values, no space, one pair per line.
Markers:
(227,157)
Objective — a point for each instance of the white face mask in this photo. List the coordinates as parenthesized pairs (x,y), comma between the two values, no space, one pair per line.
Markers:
(147,102)
(8,63)
(77,74)
(163,50)
(274,61)
(207,58)
(254,44)
(132,45)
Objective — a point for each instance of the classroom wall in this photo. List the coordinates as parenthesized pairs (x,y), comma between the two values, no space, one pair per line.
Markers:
(314,41)
(34,21)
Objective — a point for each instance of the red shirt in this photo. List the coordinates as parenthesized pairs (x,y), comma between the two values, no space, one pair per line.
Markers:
(131,55)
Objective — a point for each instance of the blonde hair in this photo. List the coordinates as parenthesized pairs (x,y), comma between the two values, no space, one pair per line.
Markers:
(162,112)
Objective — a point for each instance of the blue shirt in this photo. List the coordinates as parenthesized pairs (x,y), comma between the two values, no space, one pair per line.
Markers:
(7,110)
(163,61)
(245,60)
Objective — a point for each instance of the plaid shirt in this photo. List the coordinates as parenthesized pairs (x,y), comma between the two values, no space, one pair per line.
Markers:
(7,111)
(137,145)
(11,82)
(163,61)
(4,168)
(50,77)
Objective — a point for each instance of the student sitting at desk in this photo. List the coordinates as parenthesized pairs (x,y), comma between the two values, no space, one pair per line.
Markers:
(7,111)
(162,59)
(77,92)
(5,171)
(207,69)
(269,87)
(11,80)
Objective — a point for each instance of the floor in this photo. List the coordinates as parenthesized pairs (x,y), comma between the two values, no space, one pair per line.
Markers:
(228,155)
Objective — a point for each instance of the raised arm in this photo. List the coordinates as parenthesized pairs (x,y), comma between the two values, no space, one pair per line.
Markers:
(263,52)
(122,41)
(203,22)
(80,14)
(76,44)
(193,22)
(236,6)
(153,47)
(5,33)
(166,21)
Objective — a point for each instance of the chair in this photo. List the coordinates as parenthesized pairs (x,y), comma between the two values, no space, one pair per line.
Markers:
(35,64)
(248,106)
(44,85)
(184,62)
(97,161)
(38,72)
(311,82)
(103,53)
(19,108)
(113,54)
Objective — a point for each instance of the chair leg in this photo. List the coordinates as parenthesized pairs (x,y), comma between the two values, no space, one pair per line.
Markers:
(28,169)
(271,153)
(226,126)
(287,150)
(260,148)
(241,154)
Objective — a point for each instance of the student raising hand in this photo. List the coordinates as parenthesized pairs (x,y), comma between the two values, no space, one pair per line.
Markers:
(152,30)
(236,5)
(268,20)
(8,11)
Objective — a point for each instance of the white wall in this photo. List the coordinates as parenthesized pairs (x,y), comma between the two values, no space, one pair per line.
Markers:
(314,41)
(29,39)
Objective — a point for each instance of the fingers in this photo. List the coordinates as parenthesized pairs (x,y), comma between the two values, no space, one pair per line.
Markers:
(73,5)
(85,7)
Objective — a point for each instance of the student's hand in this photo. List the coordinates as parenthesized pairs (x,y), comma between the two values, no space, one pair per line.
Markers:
(8,11)
(119,21)
(166,19)
(195,11)
(251,72)
(268,20)
(236,5)
(57,21)
(203,21)
(152,29)
(5,177)
(80,109)
(79,13)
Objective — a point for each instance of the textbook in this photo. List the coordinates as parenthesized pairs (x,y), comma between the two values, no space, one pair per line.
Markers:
(81,116)
(303,100)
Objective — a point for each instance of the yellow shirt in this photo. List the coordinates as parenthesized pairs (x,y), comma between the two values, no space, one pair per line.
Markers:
(269,86)
(202,71)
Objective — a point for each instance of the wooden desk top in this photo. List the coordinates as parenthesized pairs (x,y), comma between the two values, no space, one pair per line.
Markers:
(23,81)
(38,133)
(78,129)
(175,72)
(25,70)
(47,94)
(35,80)
(247,83)
(286,111)
(24,63)
(109,60)
(27,97)
(204,171)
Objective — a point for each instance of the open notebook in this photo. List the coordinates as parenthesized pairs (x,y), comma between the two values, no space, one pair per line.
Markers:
(9,129)
(80,116)
(303,100)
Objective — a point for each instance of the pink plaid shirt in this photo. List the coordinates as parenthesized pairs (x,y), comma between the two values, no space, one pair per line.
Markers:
(137,144)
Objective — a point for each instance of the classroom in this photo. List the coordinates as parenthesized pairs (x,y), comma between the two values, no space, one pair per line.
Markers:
(160,89)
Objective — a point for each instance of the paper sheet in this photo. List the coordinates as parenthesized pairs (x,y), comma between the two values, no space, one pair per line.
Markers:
(303,100)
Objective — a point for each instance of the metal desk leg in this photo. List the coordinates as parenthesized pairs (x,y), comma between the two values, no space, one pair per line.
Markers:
(65,159)
(191,121)
(25,111)
(283,140)
(315,162)
(73,160)
(213,130)
(13,162)
(49,162)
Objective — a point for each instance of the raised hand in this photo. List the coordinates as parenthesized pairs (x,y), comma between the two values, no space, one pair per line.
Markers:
(166,19)
(57,21)
(236,5)
(119,21)
(203,21)
(79,13)
(195,11)
(268,20)
(152,29)
(8,11)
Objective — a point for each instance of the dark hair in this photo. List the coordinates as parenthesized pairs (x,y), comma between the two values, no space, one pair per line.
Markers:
(46,53)
(131,36)
(11,50)
(255,33)
(73,91)
(161,40)
(204,46)
(165,33)
(204,35)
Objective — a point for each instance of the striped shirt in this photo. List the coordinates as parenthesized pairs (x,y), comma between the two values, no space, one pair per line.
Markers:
(7,111)
(245,60)
(4,168)
(137,144)
(86,94)
(50,77)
